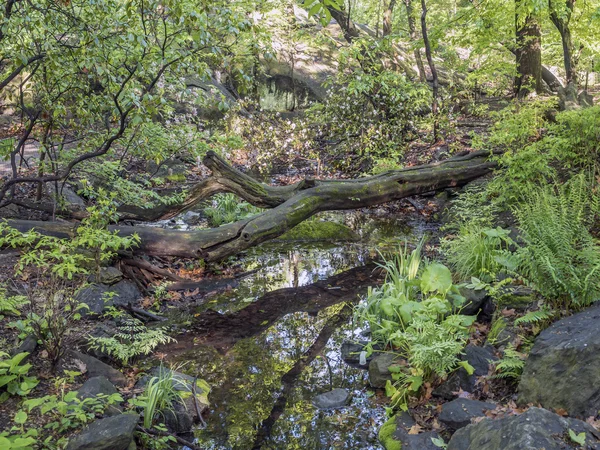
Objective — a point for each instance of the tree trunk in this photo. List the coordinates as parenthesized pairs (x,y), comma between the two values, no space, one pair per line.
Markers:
(412,30)
(290,206)
(387,18)
(345,23)
(528,53)
(434,75)
(560,19)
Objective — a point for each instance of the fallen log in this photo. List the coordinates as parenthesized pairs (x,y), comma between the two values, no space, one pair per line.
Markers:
(290,205)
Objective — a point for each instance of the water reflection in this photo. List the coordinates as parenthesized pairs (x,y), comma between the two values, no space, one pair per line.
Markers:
(271,344)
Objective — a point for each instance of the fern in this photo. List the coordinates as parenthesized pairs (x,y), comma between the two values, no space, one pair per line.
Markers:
(542,315)
(560,256)
(511,365)
(132,339)
(11,305)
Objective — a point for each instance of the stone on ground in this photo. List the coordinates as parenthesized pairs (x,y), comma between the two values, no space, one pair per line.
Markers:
(332,399)
(395,434)
(458,413)
(379,372)
(535,429)
(111,433)
(96,368)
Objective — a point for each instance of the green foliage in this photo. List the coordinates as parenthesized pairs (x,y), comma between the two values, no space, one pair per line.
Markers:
(412,312)
(577,438)
(477,251)
(372,112)
(386,435)
(511,365)
(227,208)
(319,8)
(498,326)
(132,339)
(560,256)
(12,304)
(13,376)
(542,315)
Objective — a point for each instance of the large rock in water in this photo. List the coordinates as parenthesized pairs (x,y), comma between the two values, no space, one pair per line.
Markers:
(563,367)
(535,429)
(112,433)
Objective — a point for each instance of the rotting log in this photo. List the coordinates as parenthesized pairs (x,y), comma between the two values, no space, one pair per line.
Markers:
(290,205)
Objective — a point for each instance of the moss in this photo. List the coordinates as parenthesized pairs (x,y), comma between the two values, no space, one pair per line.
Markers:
(318,230)
(386,435)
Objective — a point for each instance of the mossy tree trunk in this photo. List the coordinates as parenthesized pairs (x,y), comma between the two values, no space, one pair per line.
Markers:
(290,205)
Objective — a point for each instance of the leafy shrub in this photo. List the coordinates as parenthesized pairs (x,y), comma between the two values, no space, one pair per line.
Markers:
(11,304)
(372,112)
(132,339)
(477,251)
(413,313)
(13,376)
(560,256)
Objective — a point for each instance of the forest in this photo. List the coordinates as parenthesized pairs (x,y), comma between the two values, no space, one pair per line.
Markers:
(299,224)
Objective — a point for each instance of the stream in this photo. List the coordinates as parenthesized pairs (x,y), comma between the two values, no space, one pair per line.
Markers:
(269,344)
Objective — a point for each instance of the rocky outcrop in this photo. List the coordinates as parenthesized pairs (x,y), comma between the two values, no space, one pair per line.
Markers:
(396,434)
(332,399)
(111,433)
(535,429)
(563,367)
(459,413)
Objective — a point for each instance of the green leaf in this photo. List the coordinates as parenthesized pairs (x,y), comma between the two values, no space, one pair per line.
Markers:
(436,278)
(439,442)
(577,438)
(468,367)
(20,417)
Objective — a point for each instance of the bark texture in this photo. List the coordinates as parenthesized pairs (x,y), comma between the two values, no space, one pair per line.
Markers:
(289,205)
(528,53)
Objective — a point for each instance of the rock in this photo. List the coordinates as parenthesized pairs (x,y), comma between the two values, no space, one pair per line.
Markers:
(535,429)
(72,198)
(179,419)
(394,435)
(28,345)
(479,358)
(96,368)
(477,301)
(332,399)
(563,367)
(458,413)
(108,275)
(111,433)
(585,99)
(94,386)
(94,296)
(99,385)
(351,353)
(378,369)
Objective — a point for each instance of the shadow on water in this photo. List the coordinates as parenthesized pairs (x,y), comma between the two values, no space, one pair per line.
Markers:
(270,344)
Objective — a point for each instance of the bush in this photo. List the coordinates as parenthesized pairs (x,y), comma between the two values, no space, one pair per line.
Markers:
(560,256)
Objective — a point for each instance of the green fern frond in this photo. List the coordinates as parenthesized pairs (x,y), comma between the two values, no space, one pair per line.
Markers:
(540,315)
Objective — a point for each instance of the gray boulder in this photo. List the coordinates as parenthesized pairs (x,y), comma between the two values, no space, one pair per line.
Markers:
(96,385)
(458,413)
(332,399)
(94,367)
(563,367)
(111,433)
(479,358)
(97,296)
(535,429)
(379,372)
(394,434)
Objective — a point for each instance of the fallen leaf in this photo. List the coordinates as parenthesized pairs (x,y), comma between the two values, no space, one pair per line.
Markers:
(415,429)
